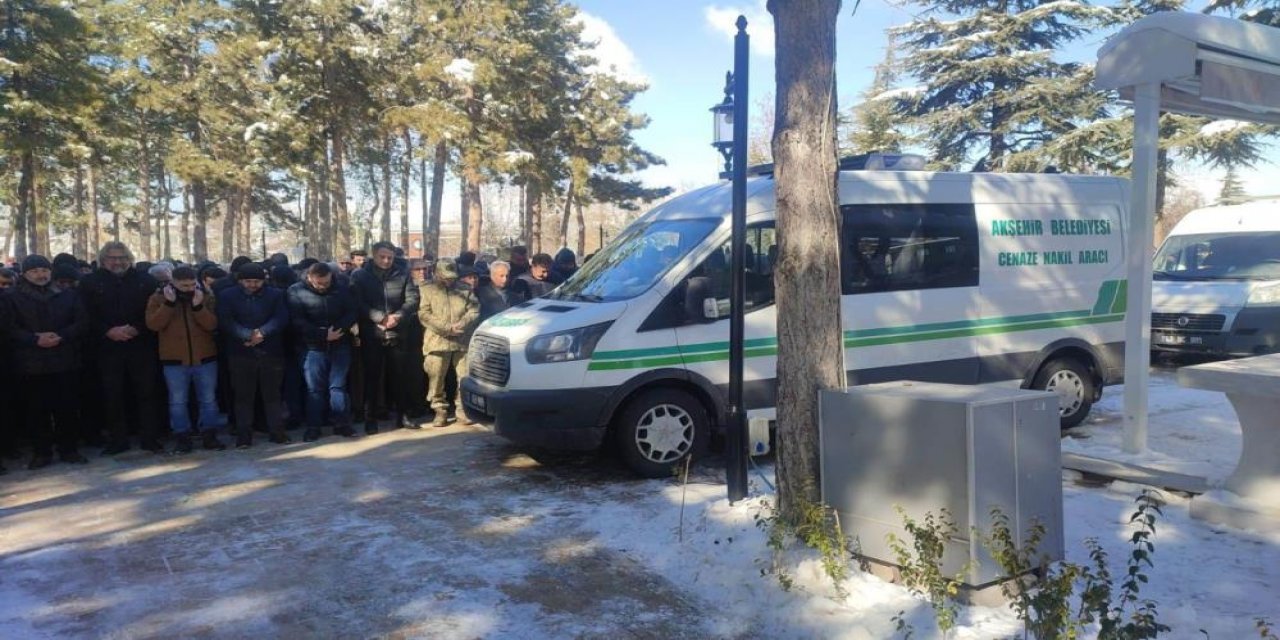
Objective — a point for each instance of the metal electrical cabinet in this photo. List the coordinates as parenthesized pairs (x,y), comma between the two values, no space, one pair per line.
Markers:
(927,446)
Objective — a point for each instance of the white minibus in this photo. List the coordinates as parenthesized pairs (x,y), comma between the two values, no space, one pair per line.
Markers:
(1217,283)
(946,277)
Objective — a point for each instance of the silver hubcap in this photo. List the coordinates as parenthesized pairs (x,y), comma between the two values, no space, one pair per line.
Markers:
(1070,390)
(664,433)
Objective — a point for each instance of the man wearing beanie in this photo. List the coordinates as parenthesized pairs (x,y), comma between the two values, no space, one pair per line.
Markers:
(45,324)
(253,317)
(386,295)
(116,298)
(182,314)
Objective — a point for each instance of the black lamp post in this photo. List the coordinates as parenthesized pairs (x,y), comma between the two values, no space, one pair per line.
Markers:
(730,138)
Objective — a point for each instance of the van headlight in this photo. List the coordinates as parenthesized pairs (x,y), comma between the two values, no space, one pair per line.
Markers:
(1265,295)
(565,346)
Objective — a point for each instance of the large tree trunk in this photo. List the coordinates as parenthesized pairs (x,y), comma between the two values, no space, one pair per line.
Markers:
(582,232)
(21,221)
(338,185)
(431,237)
(324,248)
(464,215)
(80,228)
(185,237)
(245,219)
(404,191)
(533,202)
(384,224)
(230,211)
(166,180)
(144,192)
(807,276)
(475,213)
(95,240)
(200,223)
(563,239)
(309,218)
(425,195)
(40,215)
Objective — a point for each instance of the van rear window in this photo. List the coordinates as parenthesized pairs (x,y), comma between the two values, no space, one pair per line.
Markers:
(901,247)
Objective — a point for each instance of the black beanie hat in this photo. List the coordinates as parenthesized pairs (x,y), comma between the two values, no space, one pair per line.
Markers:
(66,272)
(35,261)
(251,271)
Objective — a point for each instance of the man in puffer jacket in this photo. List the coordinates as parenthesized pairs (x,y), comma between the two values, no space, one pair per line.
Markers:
(322,313)
(254,318)
(46,325)
(182,315)
(386,295)
(449,313)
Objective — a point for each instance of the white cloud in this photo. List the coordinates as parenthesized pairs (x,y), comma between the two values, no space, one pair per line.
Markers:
(759,24)
(613,55)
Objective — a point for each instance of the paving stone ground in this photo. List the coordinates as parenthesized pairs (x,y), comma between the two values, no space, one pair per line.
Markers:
(439,533)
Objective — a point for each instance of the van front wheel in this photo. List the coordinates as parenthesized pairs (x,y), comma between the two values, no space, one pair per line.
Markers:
(659,428)
(1074,385)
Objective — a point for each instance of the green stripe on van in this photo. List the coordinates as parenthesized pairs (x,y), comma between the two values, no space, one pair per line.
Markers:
(1122,298)
(1108,307)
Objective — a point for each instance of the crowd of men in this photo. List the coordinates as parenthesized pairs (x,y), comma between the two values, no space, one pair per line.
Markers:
(88,349)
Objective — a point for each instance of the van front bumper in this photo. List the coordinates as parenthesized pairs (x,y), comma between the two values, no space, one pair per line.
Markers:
(559,419)
(1254,332)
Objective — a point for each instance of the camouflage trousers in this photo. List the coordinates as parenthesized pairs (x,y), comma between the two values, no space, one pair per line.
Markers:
(437,365)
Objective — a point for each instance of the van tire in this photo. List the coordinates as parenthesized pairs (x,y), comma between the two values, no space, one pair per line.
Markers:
(1075,385)
(659,428)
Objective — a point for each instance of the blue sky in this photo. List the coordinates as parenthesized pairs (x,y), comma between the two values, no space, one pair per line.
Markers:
(682,48)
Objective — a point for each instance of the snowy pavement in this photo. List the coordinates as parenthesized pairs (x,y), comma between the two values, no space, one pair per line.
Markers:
(454,534)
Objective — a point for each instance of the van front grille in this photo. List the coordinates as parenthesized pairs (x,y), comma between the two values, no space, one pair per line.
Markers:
(489,359)
(1187,321)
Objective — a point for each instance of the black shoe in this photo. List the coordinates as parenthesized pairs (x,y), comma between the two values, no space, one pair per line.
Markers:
(345,431)
(73,457)
(405,422)
(370,428)
(244,443)
(152,445)
(311,434)
(114,448)
(211,442)
(182,444)
(280,438)
(40,461)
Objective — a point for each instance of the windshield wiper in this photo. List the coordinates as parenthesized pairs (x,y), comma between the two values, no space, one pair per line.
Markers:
(586,297)
(1175,276)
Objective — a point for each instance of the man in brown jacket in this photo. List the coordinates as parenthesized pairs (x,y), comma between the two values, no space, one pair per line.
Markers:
(449,313)
(182,315)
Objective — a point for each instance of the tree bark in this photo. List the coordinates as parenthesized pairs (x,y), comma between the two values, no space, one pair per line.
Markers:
(144,191)
(166,180)
(338,186)
(425,195)
(200,221)
(79,229)
(324,247)
(405,176)
(39,216)
(431,237)
(245,220)
(563,239)
(21,221)
(533,201)
(464,215)
(95,240)
(582,231)
(475,214)
(807,276)
(384,224)
(230,211)
(185,237)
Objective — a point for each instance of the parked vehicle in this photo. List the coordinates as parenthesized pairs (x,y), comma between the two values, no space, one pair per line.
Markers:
(946,277)
(1217,283)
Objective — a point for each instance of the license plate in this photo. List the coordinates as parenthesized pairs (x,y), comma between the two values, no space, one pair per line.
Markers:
(477,401)
(1169,338)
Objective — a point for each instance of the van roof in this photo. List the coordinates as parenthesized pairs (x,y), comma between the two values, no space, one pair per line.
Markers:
(909,187)
(1259,215)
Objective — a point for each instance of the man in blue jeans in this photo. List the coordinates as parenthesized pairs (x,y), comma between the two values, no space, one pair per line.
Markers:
(322,313)
(182,315)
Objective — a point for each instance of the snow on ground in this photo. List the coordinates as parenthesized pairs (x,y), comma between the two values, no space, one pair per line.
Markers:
(455,534)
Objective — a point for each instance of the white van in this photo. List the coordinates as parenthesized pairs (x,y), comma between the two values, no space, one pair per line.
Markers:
(1217,283)
(946,277)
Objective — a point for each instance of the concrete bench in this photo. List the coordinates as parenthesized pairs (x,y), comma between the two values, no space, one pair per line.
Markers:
(1251,499)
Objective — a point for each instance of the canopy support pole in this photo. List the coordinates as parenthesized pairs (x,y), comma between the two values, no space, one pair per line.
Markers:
(1137,333)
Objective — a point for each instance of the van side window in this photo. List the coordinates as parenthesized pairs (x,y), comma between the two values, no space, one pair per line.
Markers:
(901,247)
(711,280)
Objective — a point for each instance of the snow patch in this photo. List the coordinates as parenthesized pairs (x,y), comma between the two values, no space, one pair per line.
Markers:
(1219,127)
(899,94)
(462,69)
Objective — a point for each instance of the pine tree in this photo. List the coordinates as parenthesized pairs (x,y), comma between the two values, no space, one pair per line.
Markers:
(874,123)
(1232,189)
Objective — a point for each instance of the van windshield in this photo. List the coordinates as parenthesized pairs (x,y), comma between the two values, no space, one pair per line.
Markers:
(635,260)
(1219,256)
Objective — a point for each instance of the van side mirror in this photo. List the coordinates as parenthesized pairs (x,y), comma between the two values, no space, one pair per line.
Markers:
(699,303)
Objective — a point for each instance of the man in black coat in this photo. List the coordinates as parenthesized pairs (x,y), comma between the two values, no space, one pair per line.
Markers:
(45,325)
(497,295)
(386,296)
(115,297)
(254,318)
(322,314)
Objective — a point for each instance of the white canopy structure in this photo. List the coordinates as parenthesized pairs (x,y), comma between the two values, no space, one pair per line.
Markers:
(1186,63)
